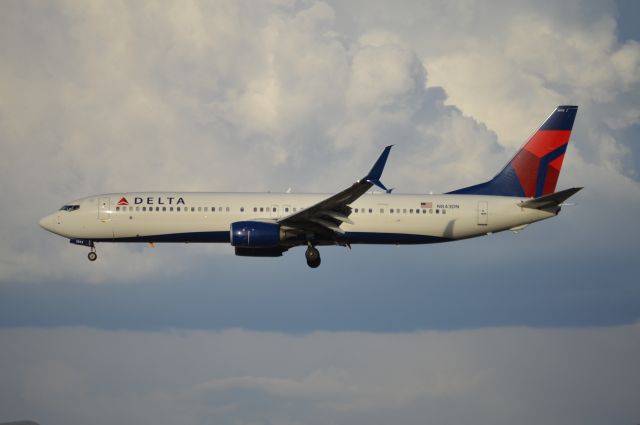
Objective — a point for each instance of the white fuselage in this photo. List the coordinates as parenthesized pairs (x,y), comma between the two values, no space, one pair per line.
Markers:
(206,217)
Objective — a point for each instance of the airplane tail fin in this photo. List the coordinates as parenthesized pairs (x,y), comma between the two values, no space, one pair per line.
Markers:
(534,170)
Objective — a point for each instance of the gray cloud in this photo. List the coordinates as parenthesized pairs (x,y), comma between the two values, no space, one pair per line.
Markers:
(109,97)
(100,97)
(122,97)
(71,375)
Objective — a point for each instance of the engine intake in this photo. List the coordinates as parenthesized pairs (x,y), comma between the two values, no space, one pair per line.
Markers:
(255,234)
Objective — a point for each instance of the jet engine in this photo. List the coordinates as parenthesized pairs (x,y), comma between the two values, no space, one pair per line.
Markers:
(255,234)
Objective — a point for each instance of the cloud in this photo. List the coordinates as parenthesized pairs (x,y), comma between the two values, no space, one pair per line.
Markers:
(69,375)
(246,96)
(106,98)
(133,101)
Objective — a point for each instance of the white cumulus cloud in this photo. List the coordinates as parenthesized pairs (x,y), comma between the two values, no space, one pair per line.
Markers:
(238,96)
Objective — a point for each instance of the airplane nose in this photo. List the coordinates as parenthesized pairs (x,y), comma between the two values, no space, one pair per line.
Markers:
(48,222)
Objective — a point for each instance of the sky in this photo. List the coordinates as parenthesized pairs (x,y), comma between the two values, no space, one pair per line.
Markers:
(539,327)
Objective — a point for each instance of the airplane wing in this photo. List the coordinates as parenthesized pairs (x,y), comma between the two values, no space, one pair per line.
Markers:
(326,216)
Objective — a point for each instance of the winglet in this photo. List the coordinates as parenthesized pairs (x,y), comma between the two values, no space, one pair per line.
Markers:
(376,171)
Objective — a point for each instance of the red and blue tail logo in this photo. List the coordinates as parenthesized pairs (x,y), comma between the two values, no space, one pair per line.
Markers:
(534,170)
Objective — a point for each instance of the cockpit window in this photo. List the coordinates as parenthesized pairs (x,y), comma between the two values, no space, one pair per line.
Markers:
(70,207)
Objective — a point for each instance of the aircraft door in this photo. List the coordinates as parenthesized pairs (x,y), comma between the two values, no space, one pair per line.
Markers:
(483,213)
(104,209)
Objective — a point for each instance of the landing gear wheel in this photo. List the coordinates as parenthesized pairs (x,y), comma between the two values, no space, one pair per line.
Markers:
(313,257)
(92,256)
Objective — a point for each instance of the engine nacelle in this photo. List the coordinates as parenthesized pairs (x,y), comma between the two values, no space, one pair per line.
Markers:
(255,234)
(260,252)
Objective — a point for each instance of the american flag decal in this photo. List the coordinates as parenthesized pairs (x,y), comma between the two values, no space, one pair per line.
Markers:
(426,204)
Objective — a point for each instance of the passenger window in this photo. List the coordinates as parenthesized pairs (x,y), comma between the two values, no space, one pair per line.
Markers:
(178,209)
(437,211)
(206,209)
(370,210)
(381,210)
(144,208)
(227,209)
(261,209)
(356,210)
(286,209)
(391,211)
(193,209)
(164,208)
(404,210)
(137,209)
(170,208)
(274,210)
(117,208)
(430,211)
(255,209)
(294,209)
(199,209)
(241,209)
(158,209)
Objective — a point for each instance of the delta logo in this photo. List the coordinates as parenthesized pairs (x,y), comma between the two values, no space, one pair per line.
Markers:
(123,201)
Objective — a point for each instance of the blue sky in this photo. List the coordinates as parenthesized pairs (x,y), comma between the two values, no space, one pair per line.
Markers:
(246,96)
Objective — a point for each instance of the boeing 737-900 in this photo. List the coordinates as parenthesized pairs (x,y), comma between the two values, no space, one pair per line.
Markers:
(269,224)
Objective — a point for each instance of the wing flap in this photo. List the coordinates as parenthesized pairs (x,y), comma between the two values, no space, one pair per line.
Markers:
(337,216)
(329,225)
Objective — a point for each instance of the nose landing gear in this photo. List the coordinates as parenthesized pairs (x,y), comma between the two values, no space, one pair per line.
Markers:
(92,256)
(313,256)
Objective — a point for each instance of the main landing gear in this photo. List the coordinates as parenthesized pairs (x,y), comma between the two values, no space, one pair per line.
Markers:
(313,256)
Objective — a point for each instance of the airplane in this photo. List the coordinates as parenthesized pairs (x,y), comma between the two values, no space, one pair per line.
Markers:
(269,224)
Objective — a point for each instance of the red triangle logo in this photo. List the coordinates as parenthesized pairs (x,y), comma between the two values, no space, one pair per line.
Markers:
(123,201)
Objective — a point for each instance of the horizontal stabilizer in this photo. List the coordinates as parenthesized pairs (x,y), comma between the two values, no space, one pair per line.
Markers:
(550,201)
